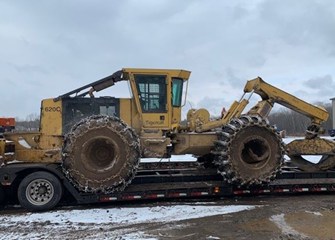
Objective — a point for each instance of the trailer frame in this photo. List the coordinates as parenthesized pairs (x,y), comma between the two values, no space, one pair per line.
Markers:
(157,181)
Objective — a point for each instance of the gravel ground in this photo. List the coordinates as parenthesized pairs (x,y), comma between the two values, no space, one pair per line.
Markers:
(278,218)
(287,217)
(283,217)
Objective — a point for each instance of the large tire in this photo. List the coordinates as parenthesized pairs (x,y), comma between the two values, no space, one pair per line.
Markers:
(249,151)
(101,154)
(39,191)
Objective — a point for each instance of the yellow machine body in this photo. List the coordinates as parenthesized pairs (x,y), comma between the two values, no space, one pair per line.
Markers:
(153,111)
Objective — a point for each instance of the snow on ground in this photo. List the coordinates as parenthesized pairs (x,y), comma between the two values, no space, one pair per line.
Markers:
(126,215)
(286,229)
(174,158)
(124,220)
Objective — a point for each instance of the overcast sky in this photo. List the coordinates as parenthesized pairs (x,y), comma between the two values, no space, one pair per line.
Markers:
(50,47)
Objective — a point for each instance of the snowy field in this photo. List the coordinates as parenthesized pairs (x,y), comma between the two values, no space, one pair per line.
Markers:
(106,223)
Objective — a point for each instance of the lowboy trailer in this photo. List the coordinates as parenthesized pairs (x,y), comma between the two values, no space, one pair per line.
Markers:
(162,180)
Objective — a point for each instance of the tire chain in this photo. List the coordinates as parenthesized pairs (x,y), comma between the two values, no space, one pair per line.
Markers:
(222,150)
(81,128)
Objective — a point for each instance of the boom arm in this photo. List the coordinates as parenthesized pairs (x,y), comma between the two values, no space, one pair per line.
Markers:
(271,95)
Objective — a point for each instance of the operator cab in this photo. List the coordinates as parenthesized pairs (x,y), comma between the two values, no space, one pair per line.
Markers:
(152,91)
(157,96)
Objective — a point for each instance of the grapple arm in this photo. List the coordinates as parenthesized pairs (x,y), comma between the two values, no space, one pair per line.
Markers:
(271,95)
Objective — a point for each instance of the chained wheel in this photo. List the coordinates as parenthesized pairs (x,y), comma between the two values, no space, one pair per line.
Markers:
(101,154)
(39,191)
(249,151)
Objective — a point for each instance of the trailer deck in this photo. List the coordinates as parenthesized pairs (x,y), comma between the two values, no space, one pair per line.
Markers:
(178,180)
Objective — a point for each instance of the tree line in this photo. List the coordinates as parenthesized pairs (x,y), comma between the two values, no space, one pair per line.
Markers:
(292,122)
(295,123)
(29,123)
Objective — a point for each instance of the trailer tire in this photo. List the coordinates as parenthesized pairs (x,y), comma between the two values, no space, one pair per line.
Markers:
(39,191)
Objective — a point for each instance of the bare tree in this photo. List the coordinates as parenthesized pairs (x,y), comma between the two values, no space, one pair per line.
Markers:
(31,123)
(295,123)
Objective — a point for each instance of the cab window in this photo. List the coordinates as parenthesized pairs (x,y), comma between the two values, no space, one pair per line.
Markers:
(152,92)
(177,91)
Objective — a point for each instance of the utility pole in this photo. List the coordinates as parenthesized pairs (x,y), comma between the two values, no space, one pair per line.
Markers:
(333,112)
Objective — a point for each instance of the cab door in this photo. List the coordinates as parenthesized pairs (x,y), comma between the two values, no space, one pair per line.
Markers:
(153,98)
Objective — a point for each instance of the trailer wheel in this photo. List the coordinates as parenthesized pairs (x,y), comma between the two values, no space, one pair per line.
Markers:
(39,191)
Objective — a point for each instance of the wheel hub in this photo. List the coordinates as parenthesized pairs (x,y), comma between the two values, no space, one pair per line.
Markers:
(99,153)
(42,190)
(255,150)
(39,192)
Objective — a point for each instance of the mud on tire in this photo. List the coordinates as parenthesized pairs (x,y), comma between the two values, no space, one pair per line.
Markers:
(101,154)
(249,151)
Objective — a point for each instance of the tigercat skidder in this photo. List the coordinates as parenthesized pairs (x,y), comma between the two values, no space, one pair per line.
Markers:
(99,140)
